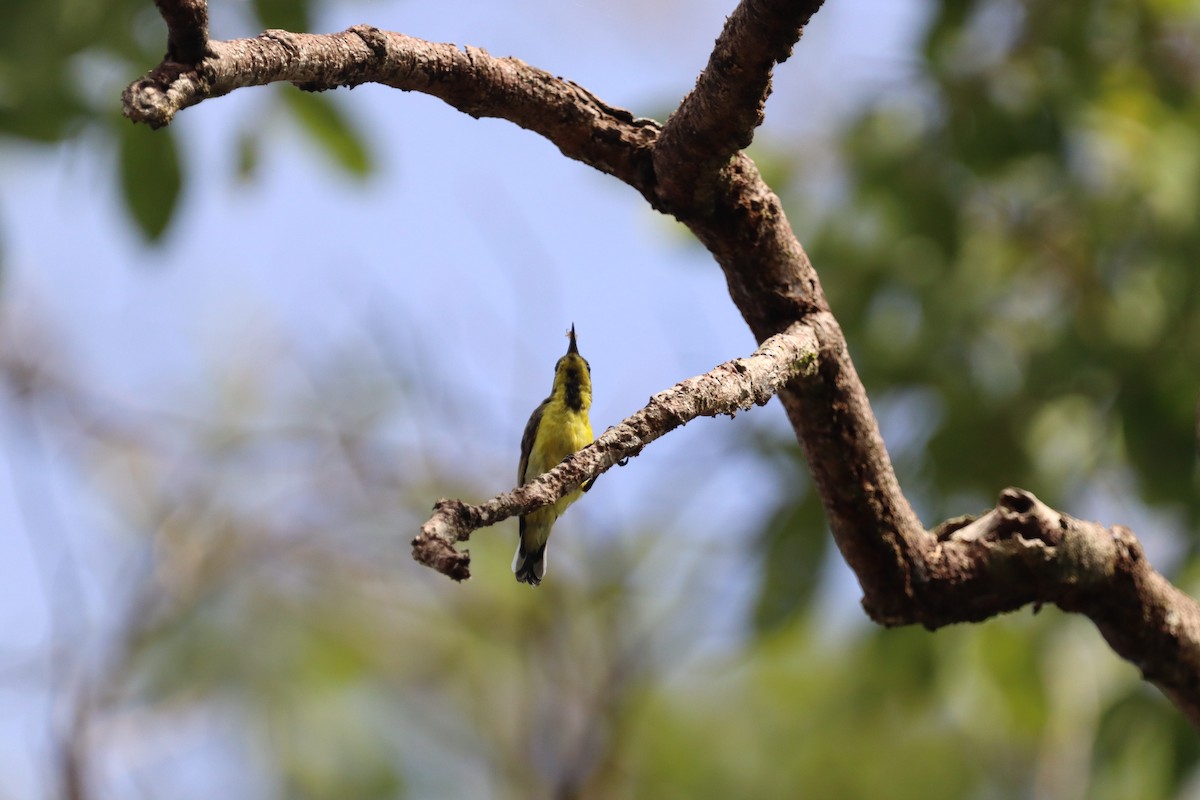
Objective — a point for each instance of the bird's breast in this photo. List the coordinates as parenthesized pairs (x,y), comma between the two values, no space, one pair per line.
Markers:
(560,433)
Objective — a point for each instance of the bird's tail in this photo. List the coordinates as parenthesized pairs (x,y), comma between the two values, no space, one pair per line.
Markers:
(529,567)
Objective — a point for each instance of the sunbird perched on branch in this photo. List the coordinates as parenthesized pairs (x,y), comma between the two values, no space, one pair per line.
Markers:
(556,429)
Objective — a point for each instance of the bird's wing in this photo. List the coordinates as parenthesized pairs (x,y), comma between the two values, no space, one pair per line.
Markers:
(531,429)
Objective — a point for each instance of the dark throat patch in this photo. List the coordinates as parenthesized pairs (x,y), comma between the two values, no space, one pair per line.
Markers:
(573,395)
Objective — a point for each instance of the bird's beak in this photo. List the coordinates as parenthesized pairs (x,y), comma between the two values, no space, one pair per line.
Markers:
(573,348)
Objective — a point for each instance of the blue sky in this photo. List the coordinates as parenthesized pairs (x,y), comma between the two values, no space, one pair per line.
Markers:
(473,248)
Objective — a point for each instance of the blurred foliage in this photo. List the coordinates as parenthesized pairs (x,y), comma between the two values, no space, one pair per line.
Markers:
(64,64)
(1011,249)
(150,176)
(331,130)
(1011,246)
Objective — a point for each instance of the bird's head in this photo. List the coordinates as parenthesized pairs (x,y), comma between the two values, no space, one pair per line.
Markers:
(573,373)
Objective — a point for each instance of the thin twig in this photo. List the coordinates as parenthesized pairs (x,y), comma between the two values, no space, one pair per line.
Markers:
(726,389)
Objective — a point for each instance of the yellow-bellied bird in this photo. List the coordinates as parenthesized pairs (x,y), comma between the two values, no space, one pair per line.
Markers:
(557,428)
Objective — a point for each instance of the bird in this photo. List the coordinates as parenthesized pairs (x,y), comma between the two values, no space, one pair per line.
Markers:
(557,428)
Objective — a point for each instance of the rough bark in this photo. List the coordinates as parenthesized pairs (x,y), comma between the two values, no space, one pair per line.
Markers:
(693,168)
(584,127)
(187,29)
(717,118)
(1024,552)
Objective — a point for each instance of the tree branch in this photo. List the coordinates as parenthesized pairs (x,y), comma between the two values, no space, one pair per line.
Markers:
(735,385)
(774,285)
(1024,552)
(582,126)
(187,29)
(718,117)
(1021,552)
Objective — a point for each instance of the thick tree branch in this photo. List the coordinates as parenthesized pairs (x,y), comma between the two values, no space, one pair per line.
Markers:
(580,124)
(187,29)
(773,284)
(730,387)
(718,117)
(1025,552)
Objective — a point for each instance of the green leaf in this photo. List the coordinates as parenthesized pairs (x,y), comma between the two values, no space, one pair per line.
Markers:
(332,131)
(290,15)
(151,177)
